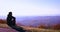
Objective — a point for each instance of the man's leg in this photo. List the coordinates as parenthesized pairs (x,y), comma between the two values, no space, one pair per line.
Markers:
(20,29)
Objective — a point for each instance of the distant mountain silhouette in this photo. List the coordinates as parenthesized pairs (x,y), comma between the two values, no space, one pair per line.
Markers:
(38,20)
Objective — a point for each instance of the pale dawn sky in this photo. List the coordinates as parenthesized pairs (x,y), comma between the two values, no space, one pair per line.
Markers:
(30,7)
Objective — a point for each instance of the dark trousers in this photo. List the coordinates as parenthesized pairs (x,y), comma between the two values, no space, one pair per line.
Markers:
(19,29)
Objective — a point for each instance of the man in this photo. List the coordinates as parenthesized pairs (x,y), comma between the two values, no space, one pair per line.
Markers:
(10,19)
(11,22)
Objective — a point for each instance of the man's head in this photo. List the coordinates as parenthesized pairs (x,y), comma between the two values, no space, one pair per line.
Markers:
(10,13)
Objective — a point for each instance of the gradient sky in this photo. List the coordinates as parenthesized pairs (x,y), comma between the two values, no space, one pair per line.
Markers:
(30,7)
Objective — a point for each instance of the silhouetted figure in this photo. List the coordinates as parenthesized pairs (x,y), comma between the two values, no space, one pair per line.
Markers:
(10,19)
(12,23)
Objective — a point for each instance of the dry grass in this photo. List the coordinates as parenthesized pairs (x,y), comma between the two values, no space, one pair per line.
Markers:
(31,29)
(43,30)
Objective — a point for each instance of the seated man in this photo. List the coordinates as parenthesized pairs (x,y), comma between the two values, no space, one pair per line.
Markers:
(11,22)
(10,19)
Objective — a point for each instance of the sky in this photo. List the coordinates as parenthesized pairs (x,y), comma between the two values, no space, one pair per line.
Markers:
(30,7)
